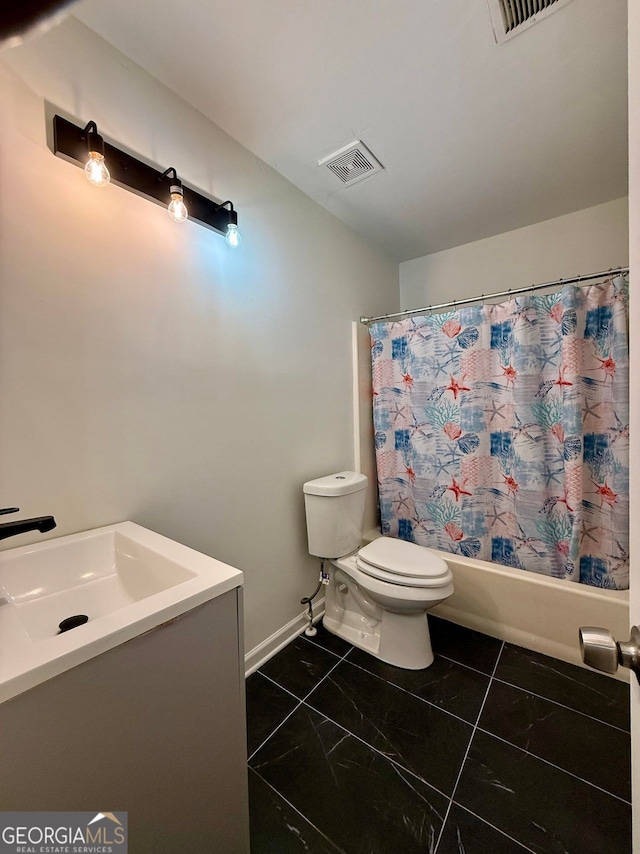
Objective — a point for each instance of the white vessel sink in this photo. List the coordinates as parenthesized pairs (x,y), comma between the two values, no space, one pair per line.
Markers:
(124,578)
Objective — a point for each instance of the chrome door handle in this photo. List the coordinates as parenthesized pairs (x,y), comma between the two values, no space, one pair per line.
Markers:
(601,651)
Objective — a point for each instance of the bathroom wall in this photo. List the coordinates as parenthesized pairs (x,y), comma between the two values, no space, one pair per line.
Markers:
(586,241)
(149,372)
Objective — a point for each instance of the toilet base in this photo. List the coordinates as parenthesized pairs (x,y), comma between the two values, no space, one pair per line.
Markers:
(399,639)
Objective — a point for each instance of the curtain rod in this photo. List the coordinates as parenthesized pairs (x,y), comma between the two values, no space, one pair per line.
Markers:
(512,292)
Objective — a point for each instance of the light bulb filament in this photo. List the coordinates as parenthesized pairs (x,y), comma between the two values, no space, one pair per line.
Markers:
(232,236)
(96,170)
(177,209)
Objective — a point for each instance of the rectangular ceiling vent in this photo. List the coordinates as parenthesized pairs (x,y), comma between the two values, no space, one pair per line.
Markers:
(352,163)
(512,17)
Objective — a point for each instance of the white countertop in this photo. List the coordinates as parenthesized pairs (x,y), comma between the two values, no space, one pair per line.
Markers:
(126,578)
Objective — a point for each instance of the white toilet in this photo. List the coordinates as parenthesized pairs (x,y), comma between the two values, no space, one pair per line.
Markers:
(378,596)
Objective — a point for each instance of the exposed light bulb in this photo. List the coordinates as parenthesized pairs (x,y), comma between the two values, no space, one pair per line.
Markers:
(233,236)
(177,209)
(96,170)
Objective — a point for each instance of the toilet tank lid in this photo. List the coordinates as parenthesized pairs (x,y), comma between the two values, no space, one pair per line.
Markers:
(341,483)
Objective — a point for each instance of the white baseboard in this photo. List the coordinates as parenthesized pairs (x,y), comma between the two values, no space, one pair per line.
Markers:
(257,656)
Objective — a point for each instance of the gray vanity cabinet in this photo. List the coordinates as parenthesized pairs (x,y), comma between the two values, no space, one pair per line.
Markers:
(155,726)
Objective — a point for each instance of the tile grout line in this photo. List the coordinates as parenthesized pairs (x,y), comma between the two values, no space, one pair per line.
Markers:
(563,706)
(411,773)
(415,696)
(260,746)
(553,765)
(325,648)
(376,750)
(300,702)
(492,677)
(446,711)
(484,821)
(462,664)
(295,809)
(528,691)
(462,720)
(464,760)
(278,685)
(489,677)
(328,673)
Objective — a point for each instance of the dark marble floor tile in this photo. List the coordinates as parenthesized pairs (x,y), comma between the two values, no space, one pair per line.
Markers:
(299,666)
(465,834)
(445,684)
(276,828)
(594,751)
(267,706)
(583,690)
(358,799)
(540,806)
(420,737)
(329,641)
(464,645)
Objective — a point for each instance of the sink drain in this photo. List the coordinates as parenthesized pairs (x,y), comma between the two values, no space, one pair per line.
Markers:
(73,622)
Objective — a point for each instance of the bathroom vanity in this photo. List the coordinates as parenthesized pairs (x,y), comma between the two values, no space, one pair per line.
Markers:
(141,709)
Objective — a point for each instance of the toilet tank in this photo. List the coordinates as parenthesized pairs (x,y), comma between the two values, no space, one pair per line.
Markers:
(335,513)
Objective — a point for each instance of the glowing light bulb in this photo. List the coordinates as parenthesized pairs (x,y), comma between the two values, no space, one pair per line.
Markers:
(233,236)
(96,170)
(177,209)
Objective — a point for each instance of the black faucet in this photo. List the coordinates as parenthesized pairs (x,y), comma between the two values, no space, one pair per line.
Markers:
(21,526)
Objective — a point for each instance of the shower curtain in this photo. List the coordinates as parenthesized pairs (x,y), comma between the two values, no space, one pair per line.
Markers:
(501,432)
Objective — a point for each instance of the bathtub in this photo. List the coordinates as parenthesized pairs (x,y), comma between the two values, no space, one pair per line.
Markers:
(530,610)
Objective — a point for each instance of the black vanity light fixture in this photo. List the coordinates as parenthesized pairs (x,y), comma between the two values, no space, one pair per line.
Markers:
(103,163)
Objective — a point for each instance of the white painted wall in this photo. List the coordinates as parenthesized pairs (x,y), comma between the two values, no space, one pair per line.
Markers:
(147,371)
(634,447)
(586,241)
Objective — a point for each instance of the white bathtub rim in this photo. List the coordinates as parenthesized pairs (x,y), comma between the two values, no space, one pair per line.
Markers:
(577,588)
(524,575)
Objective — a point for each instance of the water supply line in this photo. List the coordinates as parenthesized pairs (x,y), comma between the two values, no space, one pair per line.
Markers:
(311,630)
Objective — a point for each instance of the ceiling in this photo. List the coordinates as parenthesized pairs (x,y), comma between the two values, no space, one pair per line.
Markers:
(476,138)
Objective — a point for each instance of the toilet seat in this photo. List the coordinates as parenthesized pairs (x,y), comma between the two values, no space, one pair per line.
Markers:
(402,563)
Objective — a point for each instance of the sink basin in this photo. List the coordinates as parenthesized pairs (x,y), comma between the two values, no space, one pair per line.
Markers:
(124,578)
(93,574)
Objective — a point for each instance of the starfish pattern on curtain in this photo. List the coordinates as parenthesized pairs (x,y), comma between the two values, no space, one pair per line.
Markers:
(501,432)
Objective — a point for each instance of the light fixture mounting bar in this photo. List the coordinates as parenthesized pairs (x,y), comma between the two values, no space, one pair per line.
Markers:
(70,143)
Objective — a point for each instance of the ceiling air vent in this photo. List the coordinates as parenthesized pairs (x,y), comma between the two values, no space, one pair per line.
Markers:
(352,163)
(512,17)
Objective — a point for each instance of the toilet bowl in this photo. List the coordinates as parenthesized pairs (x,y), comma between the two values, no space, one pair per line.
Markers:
(378,595)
